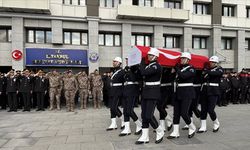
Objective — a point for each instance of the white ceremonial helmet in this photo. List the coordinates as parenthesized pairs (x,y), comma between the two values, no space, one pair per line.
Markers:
(118,59)
(154,51)
(186,55)
(214,59)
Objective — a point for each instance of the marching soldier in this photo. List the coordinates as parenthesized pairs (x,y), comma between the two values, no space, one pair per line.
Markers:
(97,89)
(210,94)
(166,80)
(84,87)
(40,88)
(130,92)
(185,93)
(116,93)
(3,98)
(70,87)
(150,95)
(12,91)
(25,88)
(55,89)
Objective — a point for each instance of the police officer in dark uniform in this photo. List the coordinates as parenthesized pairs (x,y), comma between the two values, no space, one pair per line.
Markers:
(210,93)
(166,79)
(117,79)
(224,88)
(130,92)
(12,91)
(25,88)
(3,98)
(185,93)
(150,95)
(243,86)
(40,85)
(235,87)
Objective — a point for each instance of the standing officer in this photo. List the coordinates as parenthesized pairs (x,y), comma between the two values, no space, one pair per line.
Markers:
(224,88)
(3,98)
(243,86)
(166,79)
(12,91)
(185,93)
(210,94)
(40,88)
(116,93)
(25,88)
(150,95)
(55,88)
(235,84)
(70,87)
(130,92)
(84,87)
(97,89)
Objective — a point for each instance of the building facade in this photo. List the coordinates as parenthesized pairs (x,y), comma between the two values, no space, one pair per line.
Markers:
(109,28)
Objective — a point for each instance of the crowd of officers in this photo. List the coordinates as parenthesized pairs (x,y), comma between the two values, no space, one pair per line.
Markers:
(26,90)
(182,86)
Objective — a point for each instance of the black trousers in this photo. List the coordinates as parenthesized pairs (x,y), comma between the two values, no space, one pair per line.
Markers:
(20,102)
(147,113)
(224,97)
(208,104)
(194,105)
(235,95)
(26,100)
(40,100)
(12,100)
(34,100)
(181,109)
(3,100)
(114,110)
(243,99)
(161,106)
(128,109)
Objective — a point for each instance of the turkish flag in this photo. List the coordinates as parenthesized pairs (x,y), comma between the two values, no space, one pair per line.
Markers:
(171,58)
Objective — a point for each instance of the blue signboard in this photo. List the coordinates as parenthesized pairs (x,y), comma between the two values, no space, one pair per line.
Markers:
(56,57)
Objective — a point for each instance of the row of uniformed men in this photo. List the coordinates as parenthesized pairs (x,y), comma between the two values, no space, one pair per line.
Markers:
(156,88)
(54,83)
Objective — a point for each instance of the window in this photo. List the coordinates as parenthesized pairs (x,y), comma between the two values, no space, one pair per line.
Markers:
(172,4)
(74,2)
(226,43)
(199,42)
(148,3)
(109,3)
(171,41)
(39,36)
(247,44)
(5,35)
(110,39)
(140,39)
(75,38)
(201,9)
(248,12)
(228,11)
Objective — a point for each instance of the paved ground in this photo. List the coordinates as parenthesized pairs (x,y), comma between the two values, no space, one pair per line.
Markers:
(83,130)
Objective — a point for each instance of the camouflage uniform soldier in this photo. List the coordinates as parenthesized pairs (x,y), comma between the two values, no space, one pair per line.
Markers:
(97,89)
(55,87)
(70,86)
(84,87)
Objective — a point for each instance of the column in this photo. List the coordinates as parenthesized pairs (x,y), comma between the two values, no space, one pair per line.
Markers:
(240,51)
(57,30)
(126,39)
(158,37)
(187,39)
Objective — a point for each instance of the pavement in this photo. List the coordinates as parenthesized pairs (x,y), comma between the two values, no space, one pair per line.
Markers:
(85,130)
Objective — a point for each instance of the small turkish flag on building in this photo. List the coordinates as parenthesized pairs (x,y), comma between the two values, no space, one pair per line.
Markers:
(17,54)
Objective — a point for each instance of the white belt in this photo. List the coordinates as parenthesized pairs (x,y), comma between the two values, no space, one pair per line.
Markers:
(131,83)
(166,84)
(153,83)
(211,84)
(197,85)
(184,84)
(116,84)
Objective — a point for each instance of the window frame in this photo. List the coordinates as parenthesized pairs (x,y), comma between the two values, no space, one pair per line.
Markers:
(175,41)
(205,8)
(34,30)
(167,2)
(248,12)
(144,39)
(7,31)
(201,38)
(75,31)
(114,34)
(144,3)
(105,2)
(226,39)
(230,10)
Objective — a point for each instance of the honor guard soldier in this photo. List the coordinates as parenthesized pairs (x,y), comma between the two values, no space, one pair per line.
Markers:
(130,92)
(26,89)
(12,91)
(166,79)
(3,98)
(210,93)
(40,88)
(116,93)
(55,89)
(150,95)
(185,93)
